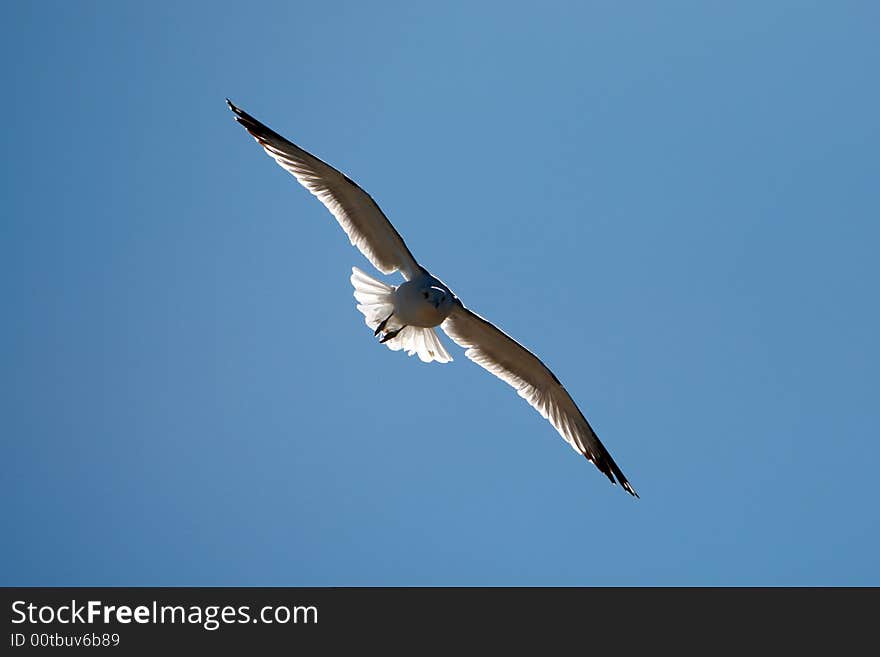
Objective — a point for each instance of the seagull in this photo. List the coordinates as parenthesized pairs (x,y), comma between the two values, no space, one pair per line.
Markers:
(404,317)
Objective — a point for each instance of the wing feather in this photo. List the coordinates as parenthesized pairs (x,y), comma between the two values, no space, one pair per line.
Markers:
(360,217)
(494,350)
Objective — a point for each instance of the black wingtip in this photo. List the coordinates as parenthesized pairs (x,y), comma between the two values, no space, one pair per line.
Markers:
(235,109)
(259,131)
(240,114)
(629,489)
(624,483)
(609,469)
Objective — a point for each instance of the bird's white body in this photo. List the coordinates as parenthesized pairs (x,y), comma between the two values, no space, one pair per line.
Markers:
(406,315)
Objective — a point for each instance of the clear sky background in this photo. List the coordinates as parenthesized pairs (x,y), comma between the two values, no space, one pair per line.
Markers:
(676,205)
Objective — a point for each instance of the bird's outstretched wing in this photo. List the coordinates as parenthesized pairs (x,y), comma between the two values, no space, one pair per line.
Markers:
(494,350)
(360,217)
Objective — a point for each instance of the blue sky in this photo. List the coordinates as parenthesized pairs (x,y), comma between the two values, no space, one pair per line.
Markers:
(674,204)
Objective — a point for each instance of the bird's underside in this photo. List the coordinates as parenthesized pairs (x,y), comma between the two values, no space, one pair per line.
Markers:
(404,317)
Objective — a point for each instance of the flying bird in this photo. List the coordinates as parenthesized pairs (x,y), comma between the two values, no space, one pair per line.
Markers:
(404,317)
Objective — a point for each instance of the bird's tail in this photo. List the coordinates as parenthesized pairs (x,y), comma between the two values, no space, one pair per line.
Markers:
(376,302)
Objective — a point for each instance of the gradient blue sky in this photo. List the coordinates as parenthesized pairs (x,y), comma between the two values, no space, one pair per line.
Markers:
(676,205)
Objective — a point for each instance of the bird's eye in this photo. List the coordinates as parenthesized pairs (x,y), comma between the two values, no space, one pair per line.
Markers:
(425,294)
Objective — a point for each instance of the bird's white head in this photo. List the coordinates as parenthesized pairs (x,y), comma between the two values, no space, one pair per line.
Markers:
(436,296)
(424,302)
